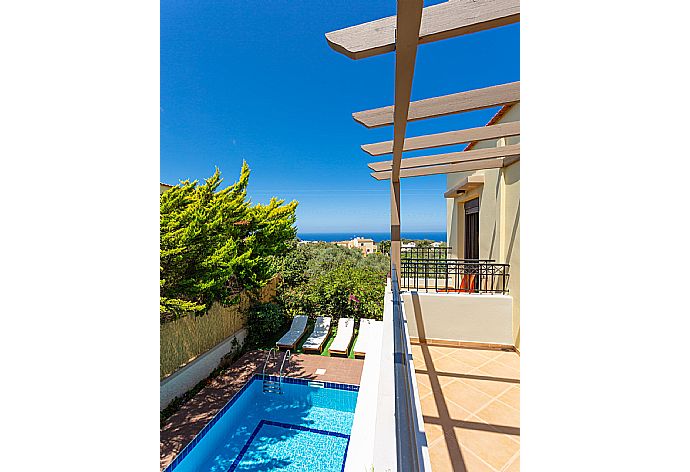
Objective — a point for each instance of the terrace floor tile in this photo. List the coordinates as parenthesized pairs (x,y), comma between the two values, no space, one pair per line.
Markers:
(511,397)
(499,370)
(474,402)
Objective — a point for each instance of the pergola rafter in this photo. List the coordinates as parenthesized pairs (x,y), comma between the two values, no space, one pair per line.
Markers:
(449,138)
(449,158)
(460,102)
(442,21)
(482,164)
(414,25)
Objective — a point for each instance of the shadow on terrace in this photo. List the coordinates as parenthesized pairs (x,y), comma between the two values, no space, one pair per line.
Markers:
(470,406)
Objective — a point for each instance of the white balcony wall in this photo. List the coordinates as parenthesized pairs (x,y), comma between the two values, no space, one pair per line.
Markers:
(470,318)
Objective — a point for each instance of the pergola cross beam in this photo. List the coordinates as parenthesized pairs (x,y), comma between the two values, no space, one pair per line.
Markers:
(449,138)
(478,99)
(449,158)
(442,21)
(482,164)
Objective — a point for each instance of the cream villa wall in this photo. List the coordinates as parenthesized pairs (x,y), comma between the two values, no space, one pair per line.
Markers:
(471,318)
(499,217)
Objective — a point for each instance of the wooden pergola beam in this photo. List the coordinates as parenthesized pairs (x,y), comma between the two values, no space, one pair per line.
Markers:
(442,21)
(408,21)
(447,139)
(460,102)
(482,164)
(449,158)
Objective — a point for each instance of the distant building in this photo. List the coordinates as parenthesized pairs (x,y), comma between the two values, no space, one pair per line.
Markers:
(165,187)
(366,245)
(408,246)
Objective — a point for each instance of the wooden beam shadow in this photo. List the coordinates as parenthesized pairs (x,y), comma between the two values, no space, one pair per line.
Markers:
(491,428)
(470,376)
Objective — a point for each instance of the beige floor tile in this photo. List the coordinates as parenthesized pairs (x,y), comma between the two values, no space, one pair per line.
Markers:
(438,352)
(433,433)
(472,357)
(443,410)
(423,379)
(416,349)
(511,397)
(449,364)
(510,359)
(467,397)
(447,455)
(500,414)
(456,411)
(428,405)
(496,369)
(494,448)
(492,388)
(489,353)
(440,458)
(513,466)
(424,389)
(434,379)
(417,356)
(473,445)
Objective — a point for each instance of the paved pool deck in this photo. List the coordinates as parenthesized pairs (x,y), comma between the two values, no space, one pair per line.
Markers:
(185,424)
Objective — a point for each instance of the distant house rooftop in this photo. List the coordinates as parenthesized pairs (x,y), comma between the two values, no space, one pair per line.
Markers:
(165,187)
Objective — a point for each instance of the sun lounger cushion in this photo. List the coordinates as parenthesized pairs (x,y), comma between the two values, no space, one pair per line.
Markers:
(367,331)
(297,329)
(321,329)
(343,337)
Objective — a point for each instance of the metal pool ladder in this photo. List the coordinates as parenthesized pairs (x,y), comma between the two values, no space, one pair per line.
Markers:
(274,386)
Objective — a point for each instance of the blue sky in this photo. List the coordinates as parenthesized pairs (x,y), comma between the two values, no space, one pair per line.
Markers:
(257,81)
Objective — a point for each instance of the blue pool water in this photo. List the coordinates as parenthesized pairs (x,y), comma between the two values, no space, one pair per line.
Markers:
(305,428)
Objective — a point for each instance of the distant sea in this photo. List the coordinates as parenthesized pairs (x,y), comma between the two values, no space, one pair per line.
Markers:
(329,237)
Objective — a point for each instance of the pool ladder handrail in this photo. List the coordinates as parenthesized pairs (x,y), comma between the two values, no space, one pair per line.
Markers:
(275,356)
(282,364)
(273,386)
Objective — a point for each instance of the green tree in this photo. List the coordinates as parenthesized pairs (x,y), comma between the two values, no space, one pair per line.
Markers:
(214,243)
(385,246)
(329,280)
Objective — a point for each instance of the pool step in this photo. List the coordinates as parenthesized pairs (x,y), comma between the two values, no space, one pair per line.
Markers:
(272,386)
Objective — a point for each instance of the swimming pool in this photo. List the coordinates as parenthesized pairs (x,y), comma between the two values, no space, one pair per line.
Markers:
(306,427)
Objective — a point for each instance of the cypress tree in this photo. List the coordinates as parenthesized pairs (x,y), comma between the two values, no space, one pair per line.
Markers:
(215,243)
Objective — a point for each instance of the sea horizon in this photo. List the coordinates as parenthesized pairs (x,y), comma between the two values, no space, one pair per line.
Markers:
(377,236)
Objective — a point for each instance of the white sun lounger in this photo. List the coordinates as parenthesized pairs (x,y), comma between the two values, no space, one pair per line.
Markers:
(343,338)
(322,329)
(292,337)
(368,330)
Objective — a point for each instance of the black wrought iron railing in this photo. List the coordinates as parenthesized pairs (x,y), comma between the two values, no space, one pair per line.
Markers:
(454,275)
(441,252)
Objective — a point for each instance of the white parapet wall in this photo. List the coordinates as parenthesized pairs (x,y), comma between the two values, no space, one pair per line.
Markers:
(373,439)
(370,421)
(461,317)
(187,377)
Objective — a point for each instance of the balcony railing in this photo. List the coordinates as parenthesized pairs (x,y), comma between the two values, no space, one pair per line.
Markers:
(442,252)
(454,275)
